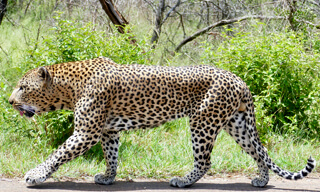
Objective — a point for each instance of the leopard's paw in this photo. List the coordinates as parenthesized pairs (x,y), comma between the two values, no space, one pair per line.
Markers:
(35,177)
(103,179)
(179,182)
(258,182)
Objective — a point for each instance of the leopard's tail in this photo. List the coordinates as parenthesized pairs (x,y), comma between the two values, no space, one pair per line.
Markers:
(283,173)
(263,155)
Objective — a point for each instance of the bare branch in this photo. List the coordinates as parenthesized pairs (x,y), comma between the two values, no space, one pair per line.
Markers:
(314,3)
(309,23)
(220,23)
(183,29)
(25,11)
(7,82)
(4,51)
(151,5)
(37,39)
(171,10)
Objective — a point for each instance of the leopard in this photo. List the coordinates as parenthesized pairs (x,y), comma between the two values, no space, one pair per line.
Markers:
(107,98)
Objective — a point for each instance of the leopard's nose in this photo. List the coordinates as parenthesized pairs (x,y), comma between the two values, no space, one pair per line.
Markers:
(11,100)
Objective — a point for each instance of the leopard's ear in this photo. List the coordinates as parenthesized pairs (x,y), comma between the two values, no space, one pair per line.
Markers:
(44,76)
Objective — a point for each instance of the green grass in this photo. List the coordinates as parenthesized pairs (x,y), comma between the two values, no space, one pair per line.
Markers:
(156,153)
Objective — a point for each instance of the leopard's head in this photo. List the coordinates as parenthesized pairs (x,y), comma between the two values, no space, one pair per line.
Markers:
(33,93)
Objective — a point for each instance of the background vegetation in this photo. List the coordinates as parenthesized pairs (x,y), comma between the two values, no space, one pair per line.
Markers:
(277,55)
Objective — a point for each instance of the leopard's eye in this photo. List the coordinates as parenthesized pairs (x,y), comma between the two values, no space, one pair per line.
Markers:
(21,88)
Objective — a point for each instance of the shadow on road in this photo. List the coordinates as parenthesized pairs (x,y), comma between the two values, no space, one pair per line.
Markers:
(157,186)
(140,186)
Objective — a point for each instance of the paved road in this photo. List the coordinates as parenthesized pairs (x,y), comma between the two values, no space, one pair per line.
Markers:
(240,183)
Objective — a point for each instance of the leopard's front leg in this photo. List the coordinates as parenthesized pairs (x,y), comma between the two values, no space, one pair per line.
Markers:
(76,145)
(87,133)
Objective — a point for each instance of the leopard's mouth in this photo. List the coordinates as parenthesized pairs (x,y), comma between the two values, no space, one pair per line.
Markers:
(28,111)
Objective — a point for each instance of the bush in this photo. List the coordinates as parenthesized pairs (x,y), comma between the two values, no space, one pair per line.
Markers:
(282,76)
(71,41)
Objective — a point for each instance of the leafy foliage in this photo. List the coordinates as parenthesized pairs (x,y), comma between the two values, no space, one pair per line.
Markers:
(281,74)
(74,41)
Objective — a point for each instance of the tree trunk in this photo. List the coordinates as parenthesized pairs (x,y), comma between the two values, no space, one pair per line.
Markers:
(114,15)
(159,17)
(293,8)
(3,9)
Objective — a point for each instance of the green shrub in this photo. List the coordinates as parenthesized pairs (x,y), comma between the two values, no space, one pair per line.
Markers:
(282,75)
(71,41)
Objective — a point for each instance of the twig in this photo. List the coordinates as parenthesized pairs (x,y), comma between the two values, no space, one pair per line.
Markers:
(168,39)
(208,13)
(309,23)
(314,3)
(171,10)
(37,39)
(151,5)
(201,18)
(190,58)
(181,21)
(13,23)
(38,33)
(263,4)
(55,6)
(221,23)
(4,51)
(25,11)
(6,80)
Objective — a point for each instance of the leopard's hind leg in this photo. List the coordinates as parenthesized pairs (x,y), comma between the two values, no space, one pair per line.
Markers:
(208,118)
(203,135)
(110,144)
(237,128)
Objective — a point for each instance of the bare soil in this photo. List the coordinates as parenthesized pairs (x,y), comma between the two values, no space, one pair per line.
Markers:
(214,184)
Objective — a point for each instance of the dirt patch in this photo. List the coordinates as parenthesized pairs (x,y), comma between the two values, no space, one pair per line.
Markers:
(234,183)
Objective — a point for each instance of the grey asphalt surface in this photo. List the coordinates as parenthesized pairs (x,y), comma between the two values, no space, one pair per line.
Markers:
(234,183)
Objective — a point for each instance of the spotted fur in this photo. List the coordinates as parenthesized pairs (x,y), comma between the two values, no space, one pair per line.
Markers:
(107,98)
